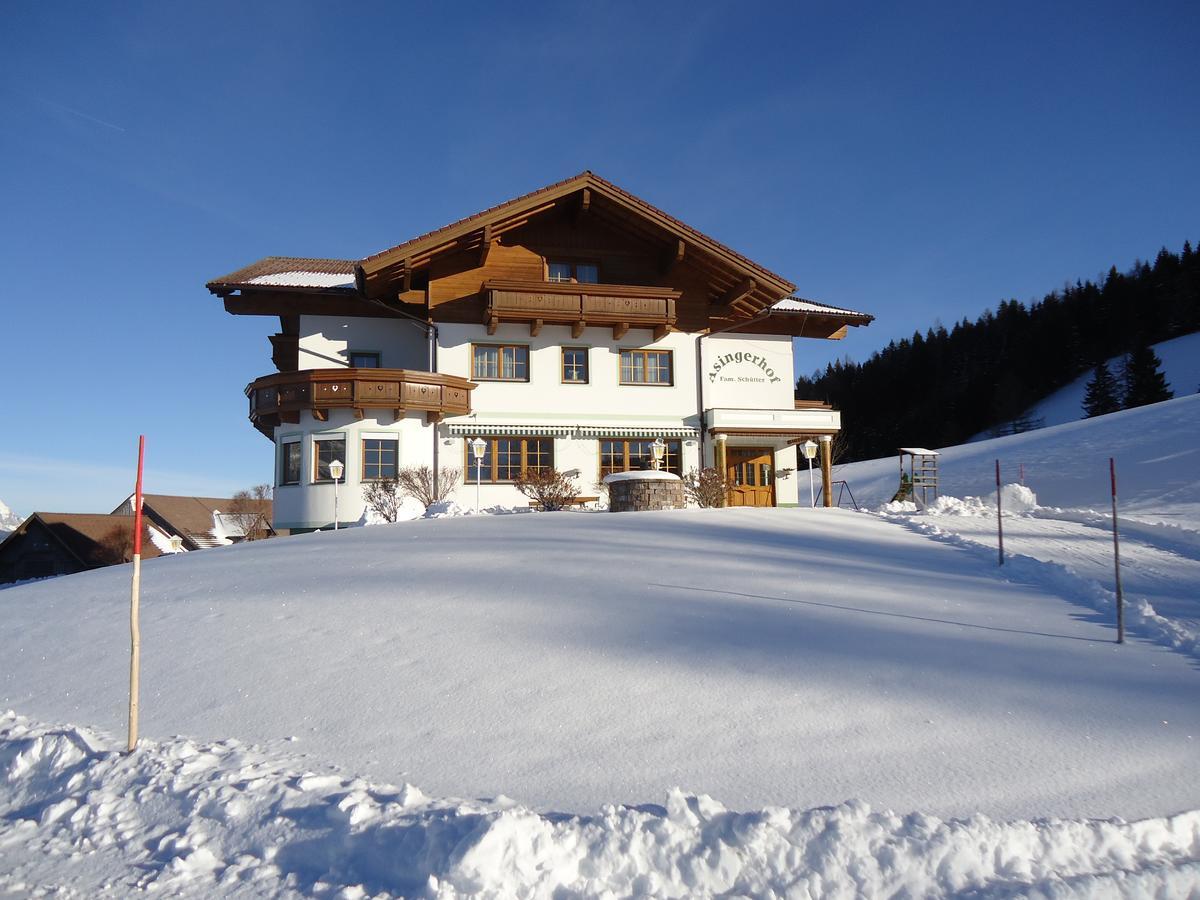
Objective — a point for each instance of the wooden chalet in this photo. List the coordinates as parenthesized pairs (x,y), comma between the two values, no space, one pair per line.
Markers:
(567,327)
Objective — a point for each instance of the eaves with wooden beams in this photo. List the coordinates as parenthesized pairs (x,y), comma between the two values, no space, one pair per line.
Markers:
(738,289)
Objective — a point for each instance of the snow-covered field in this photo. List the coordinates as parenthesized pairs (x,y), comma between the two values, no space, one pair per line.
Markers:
(588,681)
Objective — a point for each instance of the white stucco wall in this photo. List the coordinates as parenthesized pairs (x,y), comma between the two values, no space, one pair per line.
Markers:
(739,371)
(326,341)
(309,504)
(545,399)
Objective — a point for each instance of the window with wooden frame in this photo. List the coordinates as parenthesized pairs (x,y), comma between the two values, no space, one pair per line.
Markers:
(364,359)
(574,365)
(499,362)
(289,462)
(630,454)
(325,451)
(505,458)
(581,272)
(647,367)
(379,458)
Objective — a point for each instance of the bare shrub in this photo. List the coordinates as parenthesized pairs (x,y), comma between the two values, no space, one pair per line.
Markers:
(418,482)
(116,545)
(707,488)
(552,489)
(383,497)
(249,512)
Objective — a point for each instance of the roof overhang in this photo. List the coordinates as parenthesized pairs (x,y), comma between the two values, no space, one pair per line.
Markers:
(805,318)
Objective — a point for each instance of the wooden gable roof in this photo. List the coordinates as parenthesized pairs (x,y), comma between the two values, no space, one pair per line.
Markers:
(736,281)
(452,267)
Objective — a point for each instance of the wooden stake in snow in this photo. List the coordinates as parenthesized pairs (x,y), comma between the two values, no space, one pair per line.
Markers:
(999,521)
(135,636)
(1112,475)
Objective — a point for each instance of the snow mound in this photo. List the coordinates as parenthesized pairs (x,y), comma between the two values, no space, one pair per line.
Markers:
(192,820)
(1015,499)
(448,509)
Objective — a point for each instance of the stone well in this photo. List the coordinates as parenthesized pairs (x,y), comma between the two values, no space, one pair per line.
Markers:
(641,490)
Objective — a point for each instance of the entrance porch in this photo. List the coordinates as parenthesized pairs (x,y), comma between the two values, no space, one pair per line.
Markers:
(752,448)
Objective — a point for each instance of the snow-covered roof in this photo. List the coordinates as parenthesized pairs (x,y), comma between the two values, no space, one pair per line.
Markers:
(800,305)
(918,451)
(290,271)
(304,279)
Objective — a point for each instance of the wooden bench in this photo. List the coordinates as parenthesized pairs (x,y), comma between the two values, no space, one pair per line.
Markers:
(574,501)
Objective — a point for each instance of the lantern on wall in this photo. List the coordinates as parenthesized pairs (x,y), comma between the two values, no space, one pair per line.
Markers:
(659,449)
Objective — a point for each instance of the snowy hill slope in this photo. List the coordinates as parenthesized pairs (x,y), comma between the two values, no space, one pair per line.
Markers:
(1180,364)
(1157,449)
(628,679)
(572,659)
(1065,526)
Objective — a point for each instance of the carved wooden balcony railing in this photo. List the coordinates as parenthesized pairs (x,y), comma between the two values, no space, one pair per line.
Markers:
(621,306)
(282,397)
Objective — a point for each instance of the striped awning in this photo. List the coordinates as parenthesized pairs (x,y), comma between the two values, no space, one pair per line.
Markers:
(469,429)
(640,431)
(474,428)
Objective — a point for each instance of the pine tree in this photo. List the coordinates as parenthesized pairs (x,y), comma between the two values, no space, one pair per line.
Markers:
(1101,396)
(1144,380)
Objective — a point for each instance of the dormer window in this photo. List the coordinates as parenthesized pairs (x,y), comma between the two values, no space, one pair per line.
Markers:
(579,272)
(364,359)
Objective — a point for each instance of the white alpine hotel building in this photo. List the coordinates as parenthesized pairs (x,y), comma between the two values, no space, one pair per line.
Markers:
(570,327)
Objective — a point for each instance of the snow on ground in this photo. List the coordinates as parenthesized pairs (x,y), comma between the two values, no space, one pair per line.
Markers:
(1157,449)
(186,819)
(1180,364)
(630,680)
(791,657)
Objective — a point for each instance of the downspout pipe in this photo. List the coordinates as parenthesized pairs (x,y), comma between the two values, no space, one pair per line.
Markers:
(700,368)
(431,337)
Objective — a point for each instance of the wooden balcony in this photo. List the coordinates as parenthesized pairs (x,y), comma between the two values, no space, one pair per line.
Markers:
(621,306)
(279,398)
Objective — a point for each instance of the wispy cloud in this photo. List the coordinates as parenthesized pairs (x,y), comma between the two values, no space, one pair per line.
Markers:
(75,112)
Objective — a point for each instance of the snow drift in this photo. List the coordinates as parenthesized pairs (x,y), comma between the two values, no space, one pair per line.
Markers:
(193,820)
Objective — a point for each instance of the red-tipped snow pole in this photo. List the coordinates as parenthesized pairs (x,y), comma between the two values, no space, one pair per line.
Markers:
(135,635)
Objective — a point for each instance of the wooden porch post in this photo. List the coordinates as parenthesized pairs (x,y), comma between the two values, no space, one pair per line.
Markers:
(827,469)
(719,460)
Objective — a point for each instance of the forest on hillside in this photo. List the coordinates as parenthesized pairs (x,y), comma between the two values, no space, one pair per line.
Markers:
(945,386)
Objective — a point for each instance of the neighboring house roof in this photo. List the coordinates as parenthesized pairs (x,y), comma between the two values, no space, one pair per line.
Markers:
(291,272)
(82,535)
(192,518)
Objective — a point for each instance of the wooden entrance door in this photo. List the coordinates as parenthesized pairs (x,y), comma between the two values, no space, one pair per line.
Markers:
(751,475)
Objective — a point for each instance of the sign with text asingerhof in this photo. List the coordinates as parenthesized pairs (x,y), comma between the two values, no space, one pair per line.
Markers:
(742,367)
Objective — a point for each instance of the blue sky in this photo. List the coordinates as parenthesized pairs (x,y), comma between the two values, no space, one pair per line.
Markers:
(917,161)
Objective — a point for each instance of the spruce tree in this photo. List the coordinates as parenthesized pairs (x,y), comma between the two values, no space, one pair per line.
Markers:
(1144,380)
(1101,396)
